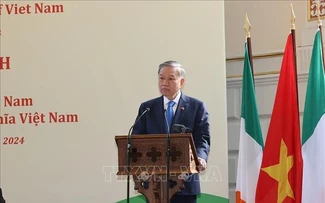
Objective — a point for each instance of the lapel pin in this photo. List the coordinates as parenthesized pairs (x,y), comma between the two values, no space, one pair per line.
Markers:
(182,108)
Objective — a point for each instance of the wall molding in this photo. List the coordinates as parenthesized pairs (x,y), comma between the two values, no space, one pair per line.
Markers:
(257,56)
(267,68)
(266,55)
(256,74)
(263,80)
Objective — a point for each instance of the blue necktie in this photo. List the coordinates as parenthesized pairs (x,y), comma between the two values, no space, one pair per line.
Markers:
(170,113)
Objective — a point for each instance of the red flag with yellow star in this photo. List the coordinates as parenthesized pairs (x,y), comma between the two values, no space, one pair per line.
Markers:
(280,177)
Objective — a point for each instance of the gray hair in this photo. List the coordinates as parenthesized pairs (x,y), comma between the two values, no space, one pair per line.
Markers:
(173,64)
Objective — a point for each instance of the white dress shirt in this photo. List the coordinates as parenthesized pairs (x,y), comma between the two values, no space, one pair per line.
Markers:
(176,100)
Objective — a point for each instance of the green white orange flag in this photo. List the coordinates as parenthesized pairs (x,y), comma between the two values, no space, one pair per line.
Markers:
(313,131)
(280,177)
(251,140)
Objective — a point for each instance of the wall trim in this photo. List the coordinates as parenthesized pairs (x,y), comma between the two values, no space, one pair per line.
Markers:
(257,56)
(262,80)
(256,74)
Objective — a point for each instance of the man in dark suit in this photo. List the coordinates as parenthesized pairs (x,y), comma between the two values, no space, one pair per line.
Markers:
(179,109)
(1,197)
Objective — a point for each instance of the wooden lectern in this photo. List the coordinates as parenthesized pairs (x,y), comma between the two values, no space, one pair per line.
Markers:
(148,163)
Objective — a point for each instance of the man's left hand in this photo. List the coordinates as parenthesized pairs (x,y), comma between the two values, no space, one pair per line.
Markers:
(202,164)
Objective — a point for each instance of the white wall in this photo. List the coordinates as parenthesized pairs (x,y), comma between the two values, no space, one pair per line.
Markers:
(270,21)
(99,60)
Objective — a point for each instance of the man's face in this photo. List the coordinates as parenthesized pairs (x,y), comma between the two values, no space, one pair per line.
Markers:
(170,82)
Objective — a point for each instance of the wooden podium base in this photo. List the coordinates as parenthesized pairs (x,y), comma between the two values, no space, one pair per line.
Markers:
(148,161)
(155,187)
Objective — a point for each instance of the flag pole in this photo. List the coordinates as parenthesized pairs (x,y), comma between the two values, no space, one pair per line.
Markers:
(320,28)
(247,27)
(293,31)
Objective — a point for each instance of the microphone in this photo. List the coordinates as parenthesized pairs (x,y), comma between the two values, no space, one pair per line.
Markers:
(179,128)
(136,121)
(129,152)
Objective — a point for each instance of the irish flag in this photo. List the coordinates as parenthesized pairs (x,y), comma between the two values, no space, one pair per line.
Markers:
(313,131)
(251,140)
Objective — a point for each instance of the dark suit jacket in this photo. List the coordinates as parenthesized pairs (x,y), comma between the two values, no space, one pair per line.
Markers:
(1,197)
(191,113)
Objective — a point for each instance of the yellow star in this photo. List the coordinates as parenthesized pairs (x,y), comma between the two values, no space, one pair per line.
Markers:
(279,172)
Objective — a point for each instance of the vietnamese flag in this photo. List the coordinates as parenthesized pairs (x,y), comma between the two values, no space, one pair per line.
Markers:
(280,177)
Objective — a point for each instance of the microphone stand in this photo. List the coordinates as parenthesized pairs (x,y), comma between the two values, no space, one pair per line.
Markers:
(129,154)
(168,157)
(128,166)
